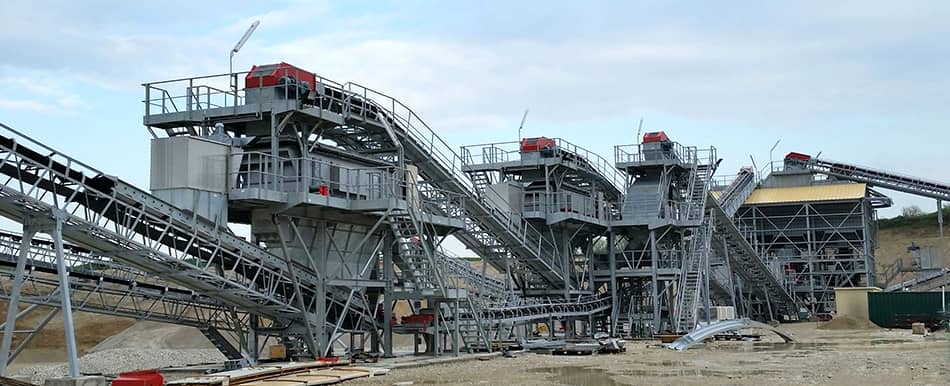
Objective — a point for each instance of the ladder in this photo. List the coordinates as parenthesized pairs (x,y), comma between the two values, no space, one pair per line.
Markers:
(698,190)
(691,280)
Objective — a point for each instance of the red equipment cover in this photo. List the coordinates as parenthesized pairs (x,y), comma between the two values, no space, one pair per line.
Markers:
(798,156)
(656,136)
(536,144)
(139,378)
(268,75)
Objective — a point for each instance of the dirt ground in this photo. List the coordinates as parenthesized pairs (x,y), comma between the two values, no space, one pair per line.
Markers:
(836,357)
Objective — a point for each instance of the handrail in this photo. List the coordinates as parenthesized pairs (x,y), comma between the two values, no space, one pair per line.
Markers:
(446,158)
(502,151)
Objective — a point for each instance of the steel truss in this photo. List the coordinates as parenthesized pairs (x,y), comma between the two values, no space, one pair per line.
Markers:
(814,246)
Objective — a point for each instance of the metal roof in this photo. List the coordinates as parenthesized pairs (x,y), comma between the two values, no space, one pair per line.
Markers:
(831,192)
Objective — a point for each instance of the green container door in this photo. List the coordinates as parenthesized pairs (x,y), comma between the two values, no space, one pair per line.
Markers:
(900,309)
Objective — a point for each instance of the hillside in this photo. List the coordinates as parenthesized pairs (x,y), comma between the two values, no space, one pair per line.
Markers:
(896,234)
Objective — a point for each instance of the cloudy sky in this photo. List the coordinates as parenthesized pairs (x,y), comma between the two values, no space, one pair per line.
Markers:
(861,81)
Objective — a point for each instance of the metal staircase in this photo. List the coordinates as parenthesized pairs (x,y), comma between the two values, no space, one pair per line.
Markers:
(692,278)
(418,271)
(694,270)
(870,176)
(220,342)
(746,263)
(699,190)
(743,259)
(491,233)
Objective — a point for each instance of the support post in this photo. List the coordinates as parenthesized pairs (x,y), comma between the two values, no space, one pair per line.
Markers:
(71,354)
(15,299)
(457,337)
(387,295)
(436,334)
(316,350)
(940,221)
(655,256)
(321,242)
(568,264)
(612,260)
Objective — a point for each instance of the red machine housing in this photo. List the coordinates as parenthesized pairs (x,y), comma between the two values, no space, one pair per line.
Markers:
(268,75)
(798,156)
(656,136)
(536,144)
(139,378)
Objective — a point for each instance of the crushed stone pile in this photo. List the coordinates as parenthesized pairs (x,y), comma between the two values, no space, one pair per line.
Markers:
(114,361)
(845,322)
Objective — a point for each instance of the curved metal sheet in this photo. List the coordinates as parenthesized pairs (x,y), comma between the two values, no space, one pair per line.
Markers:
(705,332)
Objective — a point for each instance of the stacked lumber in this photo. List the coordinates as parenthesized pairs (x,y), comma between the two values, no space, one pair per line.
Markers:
(285,374)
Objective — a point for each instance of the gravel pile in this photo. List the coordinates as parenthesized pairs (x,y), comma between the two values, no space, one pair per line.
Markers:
(114,361)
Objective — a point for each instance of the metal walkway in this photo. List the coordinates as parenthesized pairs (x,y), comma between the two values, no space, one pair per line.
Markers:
(870,176)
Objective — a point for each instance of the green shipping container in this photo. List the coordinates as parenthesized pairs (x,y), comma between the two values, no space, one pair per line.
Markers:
(900,309)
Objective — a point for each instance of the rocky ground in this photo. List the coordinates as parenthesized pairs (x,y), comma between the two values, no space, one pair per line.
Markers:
(144,345)
(822,356)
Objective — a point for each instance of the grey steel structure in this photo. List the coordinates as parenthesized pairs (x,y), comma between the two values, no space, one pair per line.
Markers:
(818,244)
(814,243)
(656,270)
(569,194)
(349,196)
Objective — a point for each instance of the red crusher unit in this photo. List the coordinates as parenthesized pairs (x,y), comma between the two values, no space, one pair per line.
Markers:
(656,136)
(536,144)
(798,157)
(269,75)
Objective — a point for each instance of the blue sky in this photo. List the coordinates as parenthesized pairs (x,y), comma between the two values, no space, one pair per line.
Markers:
(862,82)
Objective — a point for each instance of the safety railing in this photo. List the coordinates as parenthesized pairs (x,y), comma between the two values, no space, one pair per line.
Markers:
(653,153)
(353,100)
(199,93)
(639,260)
(229,90)
(266,172)
(499,152)
(567,203)
(677,210)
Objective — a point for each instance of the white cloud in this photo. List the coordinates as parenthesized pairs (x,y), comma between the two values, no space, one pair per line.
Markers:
(24,104)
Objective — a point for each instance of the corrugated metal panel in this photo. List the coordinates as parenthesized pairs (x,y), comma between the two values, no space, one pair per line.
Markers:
(834,192)
(900,309)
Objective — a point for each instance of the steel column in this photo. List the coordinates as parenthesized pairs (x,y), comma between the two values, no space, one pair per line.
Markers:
(71,354)
(15,299)
(387,295)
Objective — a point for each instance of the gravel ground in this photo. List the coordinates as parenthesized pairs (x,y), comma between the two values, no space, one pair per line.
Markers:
(837,357)
(114,361)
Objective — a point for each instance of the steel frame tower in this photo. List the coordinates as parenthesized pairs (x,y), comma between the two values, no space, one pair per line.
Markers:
(814,241)
(657,272)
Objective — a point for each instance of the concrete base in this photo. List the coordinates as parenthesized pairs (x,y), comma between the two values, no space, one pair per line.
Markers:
(79,381)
